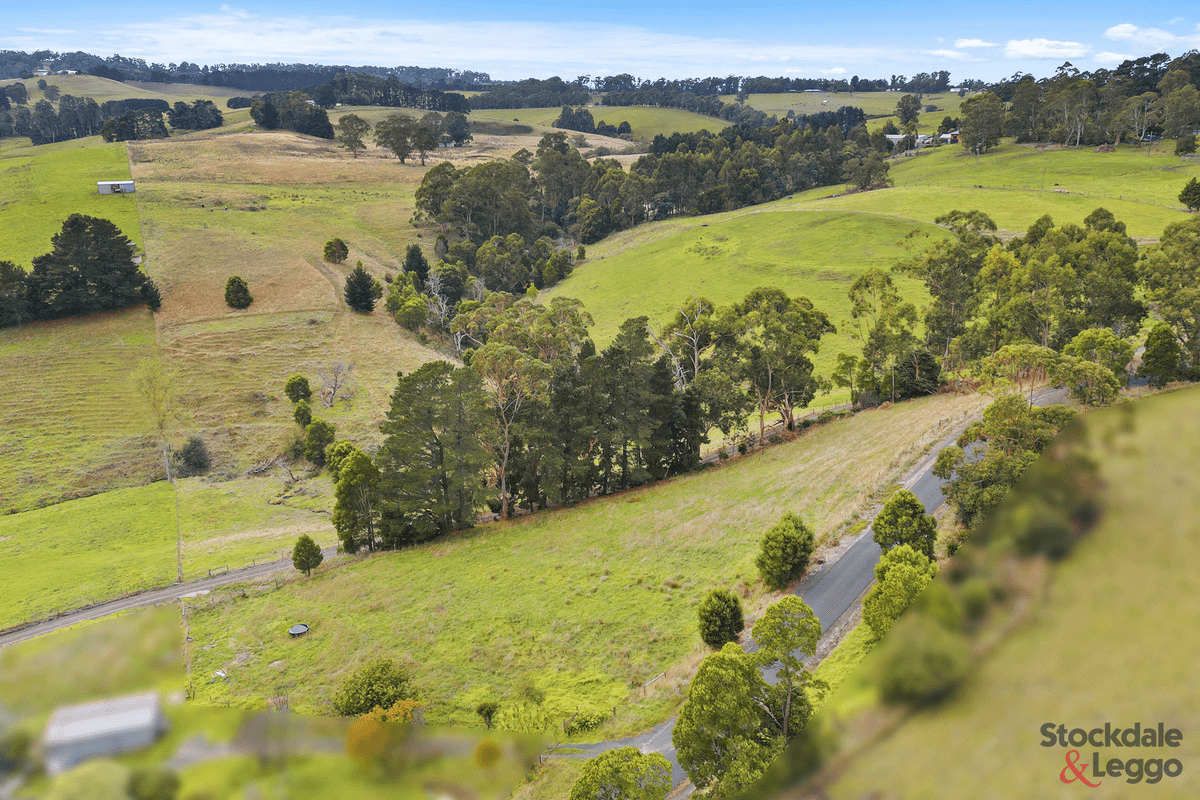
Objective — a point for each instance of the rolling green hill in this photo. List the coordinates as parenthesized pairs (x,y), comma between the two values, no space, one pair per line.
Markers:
(646,122)
(588,602)
(1110,641)
(817,254)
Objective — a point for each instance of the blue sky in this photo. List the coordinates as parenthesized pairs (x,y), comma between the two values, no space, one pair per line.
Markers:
(671,39)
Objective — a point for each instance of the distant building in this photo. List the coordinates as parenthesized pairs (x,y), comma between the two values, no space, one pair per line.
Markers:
(115,187)
(102,728)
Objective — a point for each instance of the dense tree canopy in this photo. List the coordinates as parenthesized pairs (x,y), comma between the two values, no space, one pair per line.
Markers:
(89,269)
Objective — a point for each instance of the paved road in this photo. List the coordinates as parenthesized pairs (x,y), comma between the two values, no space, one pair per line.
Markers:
(829,591)
(151,598)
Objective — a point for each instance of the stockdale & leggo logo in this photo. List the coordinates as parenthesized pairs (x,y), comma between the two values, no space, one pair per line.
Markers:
(1134,770)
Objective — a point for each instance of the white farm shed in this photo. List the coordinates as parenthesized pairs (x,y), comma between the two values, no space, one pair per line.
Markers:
(103,728)
(115,187)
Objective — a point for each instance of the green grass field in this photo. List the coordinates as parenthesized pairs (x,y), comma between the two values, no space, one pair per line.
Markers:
(71,421)
(1111,640)
(42,186)
(139,650)
(872,103)
(234,523)
(102,89)
(1016,184)
(588,602)
(646,122)
(99,547)
(815,254)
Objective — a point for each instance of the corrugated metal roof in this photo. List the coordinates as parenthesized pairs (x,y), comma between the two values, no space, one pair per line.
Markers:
(136,712)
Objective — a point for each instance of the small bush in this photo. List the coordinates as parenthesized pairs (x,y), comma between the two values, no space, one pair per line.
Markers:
(581,253)
(317,436)
(1185,145)
(307,555)
(587,719)
(193,458)
(976,596)
(487,711)
(294,449)
(921,662)
(152,783)
(721,618)
(297,388)
(237,293)
(302,414)
(336,251)
(378,684)
(785,552)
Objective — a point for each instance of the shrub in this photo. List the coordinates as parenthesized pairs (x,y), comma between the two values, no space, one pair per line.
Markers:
(902,575)
(581,253)
(921,662)
(1185,145)
(297,388)
(586,719)
(151,783)
(336,251)
(151,295)
(294,449)
(624,773)
(903,521)
(939,604)
(237,293)
(302,414)
(360,290)
(1190,196)
(721,618)
(317,436)
(378,684)
(487,711)
(976,596)
(306,555)
(193,458)
(785,552)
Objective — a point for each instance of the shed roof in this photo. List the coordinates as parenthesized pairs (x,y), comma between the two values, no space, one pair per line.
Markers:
(137,712)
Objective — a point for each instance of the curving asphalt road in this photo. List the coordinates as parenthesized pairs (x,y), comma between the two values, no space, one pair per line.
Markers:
(150,598)
(830,592)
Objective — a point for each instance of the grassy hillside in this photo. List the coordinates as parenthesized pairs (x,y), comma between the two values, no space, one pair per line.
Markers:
(1016,184)
(125,540)
(588,602)
(646,122)
(100,547)
(42,186)
(262,205)
(644,270)
(1111,640)
(71,423)
(102,89)
(872,103)
(815,254)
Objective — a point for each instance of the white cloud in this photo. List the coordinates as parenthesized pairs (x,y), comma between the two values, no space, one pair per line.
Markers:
(953,55)
(834,71)
(1149,37)
(505,49)
(1114,59)
(1044,48)
(973,43)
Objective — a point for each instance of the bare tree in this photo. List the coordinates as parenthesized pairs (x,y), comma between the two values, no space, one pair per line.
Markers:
(335,381)
(440,309)
(686,337)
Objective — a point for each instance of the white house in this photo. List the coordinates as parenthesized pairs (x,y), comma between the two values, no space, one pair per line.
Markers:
(115,187)
(102,728)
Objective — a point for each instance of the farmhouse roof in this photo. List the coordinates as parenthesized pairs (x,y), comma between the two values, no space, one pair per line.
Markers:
(137,712)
